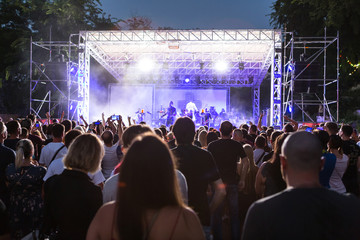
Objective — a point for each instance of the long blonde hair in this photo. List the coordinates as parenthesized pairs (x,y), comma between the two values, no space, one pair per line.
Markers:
(24,150)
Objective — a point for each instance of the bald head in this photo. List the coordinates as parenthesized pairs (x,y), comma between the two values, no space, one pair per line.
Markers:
(302,151)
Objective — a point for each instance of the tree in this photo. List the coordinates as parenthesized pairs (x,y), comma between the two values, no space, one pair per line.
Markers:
(135,23)
(22,19)
(308,18)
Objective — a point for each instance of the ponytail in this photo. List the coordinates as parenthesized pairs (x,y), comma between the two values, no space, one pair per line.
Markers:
(19,156)
(24,150)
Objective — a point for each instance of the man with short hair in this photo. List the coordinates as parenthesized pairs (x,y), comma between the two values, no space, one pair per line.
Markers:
(199,169)
(237,135)
(352,150)
(14,131)
(54,149)
(305,210)
(331,128)
(228,155)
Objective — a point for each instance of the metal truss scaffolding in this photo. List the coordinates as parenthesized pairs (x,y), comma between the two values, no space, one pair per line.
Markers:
(54,86)
(185,58)
(311,90)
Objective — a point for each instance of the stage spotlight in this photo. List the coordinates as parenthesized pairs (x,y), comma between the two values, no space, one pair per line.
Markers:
(73,70)
(146,65)
(290,109)
(291,67)
(221,66)
(187,79)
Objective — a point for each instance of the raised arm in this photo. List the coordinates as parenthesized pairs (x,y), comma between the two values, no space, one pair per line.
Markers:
(120,129)
(48,117)
(84,121)
(129,120)
(293,122)
(62,116)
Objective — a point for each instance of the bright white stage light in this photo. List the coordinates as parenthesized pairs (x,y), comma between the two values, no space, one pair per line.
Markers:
(221,66)
(146,64)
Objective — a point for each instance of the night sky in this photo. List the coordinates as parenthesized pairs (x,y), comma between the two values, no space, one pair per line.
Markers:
(191,14)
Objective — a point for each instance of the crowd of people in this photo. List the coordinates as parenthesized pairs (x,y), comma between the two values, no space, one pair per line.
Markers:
(112,180)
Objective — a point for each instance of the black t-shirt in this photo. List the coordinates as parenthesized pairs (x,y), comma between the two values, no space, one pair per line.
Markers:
(11,143)
(199,169)
(227,153)
(70,203)
(313,213)
(350,176)
(7,156)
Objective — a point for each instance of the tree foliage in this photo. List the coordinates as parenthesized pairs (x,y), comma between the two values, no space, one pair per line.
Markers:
(308,18)
(22,19)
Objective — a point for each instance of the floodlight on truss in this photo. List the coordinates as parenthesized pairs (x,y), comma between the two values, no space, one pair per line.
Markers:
(146,65)
(221,66)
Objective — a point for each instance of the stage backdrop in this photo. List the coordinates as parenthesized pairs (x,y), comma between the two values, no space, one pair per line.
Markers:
(127,100)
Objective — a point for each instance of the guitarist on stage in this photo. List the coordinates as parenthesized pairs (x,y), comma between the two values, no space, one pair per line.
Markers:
(171,113)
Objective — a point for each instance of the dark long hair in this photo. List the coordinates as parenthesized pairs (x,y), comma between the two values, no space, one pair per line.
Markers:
(147,180)
(274,169)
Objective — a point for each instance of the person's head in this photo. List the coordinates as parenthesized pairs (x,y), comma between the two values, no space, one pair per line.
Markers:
(184,130)
(31,117)
(331,128)
(67,124)
(24,133)
(237,135)
(73,124)
(107,137)
(171,103)
(301,154)
(147,180)
(163,131)
(277,148)
(252,129)
(288,128)
(159,133)
(58,130)
(70,136)
(49,129)
(210,137)
(244,126)
(13,128)
(274,136)
(202,138)
(249,153)
(132,132)
(335,142)
(346,131)
(226,129)
(260,142)
(244,132)
(170,136)
(85,153)
(24,150)
(323,137)
(3,132)
(26,123)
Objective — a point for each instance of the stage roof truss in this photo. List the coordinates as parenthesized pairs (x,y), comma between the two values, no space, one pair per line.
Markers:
(179,53)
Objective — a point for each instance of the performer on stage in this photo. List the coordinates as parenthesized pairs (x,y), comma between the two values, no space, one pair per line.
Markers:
(191,109)
(171,114)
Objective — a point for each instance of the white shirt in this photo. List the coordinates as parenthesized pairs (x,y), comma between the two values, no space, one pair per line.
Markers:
(57,167)
(110,187)
(48,152)
(335,181)
(257,154)
(110,160)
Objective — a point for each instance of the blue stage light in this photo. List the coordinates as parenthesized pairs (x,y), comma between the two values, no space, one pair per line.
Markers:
(187,79)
